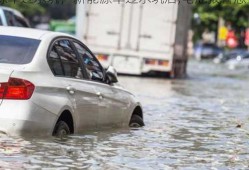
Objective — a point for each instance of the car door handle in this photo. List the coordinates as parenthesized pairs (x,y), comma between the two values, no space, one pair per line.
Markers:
(70,89)
(99,95)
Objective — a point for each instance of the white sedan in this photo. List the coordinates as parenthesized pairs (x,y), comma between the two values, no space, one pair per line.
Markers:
(51,83)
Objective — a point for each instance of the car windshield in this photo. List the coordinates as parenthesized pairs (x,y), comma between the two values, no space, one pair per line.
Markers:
(17,50)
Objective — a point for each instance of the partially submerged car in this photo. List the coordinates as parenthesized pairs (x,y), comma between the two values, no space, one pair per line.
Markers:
(12,17)
(206,51)
(51,83)
(241,61)
(228,55)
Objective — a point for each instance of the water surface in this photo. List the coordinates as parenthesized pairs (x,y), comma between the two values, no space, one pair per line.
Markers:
(197,123)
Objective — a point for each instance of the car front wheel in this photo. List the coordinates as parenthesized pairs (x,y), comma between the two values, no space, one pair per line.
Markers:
(136,121)
(61,129)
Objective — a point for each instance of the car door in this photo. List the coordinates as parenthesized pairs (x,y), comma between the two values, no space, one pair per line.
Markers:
(81,94)
(118,102)
(110,107)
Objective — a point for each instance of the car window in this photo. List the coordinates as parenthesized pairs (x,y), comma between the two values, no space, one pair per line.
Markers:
(14,20)
(17,50)
(55,62)
(93,68)
(63,60)
(1,23)
(9,18)
(20,22)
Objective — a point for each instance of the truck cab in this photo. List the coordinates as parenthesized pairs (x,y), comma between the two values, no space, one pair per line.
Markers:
(12,17)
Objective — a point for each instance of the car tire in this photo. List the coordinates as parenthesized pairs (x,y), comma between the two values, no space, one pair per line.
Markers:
(61,129)
(136,121)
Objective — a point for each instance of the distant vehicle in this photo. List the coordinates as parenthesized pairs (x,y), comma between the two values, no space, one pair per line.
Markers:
(135,39)
(64,26)
(42,26)
(225,56)
(12,17)
(241,61)
(206,51)
(51,83)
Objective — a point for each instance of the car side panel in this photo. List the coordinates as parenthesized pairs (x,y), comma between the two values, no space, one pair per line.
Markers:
(130,102)
(121,105)
(116,105)
(85,103)
(111,106)
(50,93)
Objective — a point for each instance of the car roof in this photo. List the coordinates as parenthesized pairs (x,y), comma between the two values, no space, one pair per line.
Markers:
(29,32)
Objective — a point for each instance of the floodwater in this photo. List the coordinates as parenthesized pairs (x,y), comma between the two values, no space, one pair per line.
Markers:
(197,123)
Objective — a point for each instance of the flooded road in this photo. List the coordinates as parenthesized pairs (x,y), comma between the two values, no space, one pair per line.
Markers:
(197,123)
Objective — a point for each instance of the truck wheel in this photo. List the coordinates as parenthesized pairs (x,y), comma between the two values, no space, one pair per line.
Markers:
(61,129)
(136,121)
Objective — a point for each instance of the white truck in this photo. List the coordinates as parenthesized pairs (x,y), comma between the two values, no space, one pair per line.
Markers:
(134,38)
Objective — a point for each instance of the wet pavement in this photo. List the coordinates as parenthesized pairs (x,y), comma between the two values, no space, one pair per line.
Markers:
(197,123)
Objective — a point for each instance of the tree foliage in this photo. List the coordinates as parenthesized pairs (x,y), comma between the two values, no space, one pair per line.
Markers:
(61,9)
(42,11)
(235,12)
(28,9)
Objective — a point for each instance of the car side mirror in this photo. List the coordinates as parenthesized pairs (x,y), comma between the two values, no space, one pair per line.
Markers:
(112,75)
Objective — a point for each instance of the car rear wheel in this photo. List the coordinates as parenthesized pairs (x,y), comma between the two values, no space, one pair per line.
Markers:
(61,129)
(136,121)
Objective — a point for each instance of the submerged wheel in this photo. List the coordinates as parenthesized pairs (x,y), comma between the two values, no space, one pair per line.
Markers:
(136,121)
(61,129)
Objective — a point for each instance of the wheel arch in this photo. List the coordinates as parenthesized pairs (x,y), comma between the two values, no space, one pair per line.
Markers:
(138,111)
(67,117)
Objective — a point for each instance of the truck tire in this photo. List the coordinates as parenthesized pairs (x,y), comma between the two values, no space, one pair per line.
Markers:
(136,121)
(61,129)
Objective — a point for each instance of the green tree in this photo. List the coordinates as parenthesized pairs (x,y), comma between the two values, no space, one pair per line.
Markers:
(63,10)
(28,9)
(232,11)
